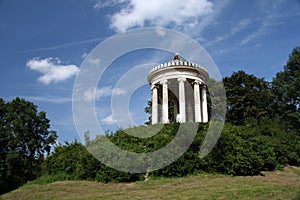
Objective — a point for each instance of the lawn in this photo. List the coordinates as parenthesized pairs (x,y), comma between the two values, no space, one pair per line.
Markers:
(274,185)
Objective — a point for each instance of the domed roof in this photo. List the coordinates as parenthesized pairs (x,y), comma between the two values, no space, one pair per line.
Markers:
(177,67)
(177,61)
(173,63)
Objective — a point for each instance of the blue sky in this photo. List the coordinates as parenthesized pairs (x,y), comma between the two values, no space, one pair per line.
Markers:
(43,43)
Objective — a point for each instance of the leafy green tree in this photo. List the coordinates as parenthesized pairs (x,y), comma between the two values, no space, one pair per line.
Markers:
(3,147)
(72,159)
(247,96)
(286,87)
(25,138)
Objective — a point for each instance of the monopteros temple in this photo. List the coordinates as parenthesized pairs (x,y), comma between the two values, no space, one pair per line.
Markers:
(178,92)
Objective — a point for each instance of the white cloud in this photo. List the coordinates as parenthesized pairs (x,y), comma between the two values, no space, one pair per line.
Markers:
(138,13)
(91,94)
(52,70)
(121,120)
(109,120)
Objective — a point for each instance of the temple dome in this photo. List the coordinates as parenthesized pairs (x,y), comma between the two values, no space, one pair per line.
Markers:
(180,65)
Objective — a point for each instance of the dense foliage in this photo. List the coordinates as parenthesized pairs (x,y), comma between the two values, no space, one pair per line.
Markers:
(247,97)
(24,139)
(286,90)
(241,150)
(75,162)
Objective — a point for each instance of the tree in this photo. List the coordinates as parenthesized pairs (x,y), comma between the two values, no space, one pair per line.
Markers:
(72,159)
(247,97)
(3,145)
(286,89)
(25,138)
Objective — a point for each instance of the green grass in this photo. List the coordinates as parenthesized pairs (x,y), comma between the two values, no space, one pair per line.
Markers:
(274,185)
(51,178)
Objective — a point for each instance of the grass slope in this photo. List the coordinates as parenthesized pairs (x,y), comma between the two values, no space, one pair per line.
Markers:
(274,185)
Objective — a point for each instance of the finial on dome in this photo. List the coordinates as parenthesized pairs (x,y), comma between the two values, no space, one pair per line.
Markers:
(177,56)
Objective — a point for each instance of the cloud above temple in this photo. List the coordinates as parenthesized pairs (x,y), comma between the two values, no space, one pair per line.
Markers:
(166,13)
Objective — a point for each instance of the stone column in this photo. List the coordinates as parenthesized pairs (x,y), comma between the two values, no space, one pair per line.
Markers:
(165,105)
(154,105)
(204,105)
(182,100)
(197,101)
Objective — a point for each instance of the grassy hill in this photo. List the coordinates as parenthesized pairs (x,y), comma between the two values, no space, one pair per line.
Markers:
(274,185)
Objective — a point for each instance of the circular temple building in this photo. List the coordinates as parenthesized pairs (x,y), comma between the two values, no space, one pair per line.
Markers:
(178,92)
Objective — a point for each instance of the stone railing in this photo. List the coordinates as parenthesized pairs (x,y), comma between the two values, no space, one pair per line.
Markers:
(176,63)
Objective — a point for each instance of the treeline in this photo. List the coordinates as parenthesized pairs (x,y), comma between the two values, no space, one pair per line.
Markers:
(261,132)
(241,150)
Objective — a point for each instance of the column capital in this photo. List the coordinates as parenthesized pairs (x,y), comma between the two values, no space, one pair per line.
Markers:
(204,87)
(154,86)
(197,82)
(165,81)
(181,79)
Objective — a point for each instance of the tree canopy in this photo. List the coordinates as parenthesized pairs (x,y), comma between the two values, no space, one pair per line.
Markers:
(24,140)
(286,89)
(247,97)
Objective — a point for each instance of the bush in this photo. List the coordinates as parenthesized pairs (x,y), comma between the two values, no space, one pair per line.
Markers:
(241,150)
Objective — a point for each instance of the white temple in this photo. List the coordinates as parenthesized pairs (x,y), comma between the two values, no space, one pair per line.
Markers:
(181,85)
